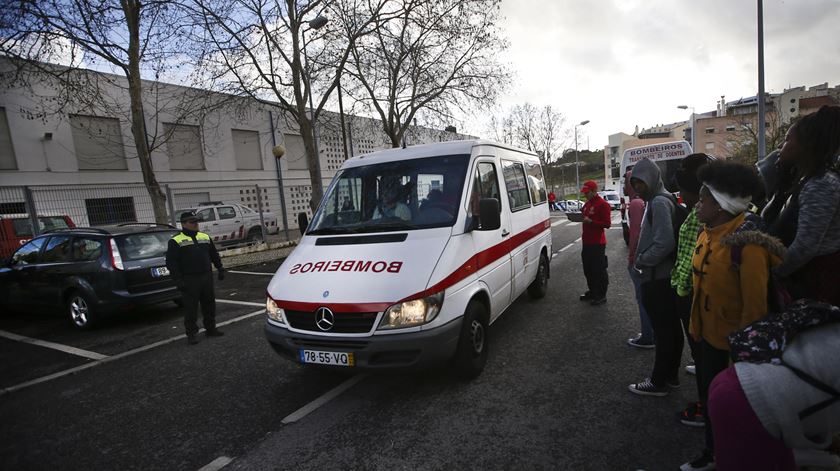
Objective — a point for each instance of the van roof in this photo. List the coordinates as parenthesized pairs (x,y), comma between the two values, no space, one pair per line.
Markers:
(427,150)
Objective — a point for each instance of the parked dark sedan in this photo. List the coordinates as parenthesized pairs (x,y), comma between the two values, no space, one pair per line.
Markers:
(90,272)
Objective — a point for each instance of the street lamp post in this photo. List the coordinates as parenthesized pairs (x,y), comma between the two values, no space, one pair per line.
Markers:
(762,127)
(693,125)
(316,23)
(577,165)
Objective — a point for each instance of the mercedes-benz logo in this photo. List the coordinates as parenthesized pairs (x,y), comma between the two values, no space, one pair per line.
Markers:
(324,319)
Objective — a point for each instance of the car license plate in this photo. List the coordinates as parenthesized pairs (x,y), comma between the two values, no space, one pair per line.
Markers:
(160,271)
(326,358)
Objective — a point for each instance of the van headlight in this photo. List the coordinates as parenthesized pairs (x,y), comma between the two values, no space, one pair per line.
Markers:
(274,312)
(412,313)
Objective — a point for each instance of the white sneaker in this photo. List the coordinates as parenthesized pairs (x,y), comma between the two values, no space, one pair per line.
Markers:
(691,369)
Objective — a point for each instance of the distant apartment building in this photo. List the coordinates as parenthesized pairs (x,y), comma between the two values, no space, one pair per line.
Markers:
(206,146)
(726,132)
(731,129)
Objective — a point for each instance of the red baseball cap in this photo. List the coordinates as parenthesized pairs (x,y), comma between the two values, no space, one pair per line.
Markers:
(589,185)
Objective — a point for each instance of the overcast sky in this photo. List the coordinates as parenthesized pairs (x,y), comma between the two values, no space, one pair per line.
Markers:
(622,63)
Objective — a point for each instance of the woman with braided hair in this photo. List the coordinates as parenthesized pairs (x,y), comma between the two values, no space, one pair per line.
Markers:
(807,217)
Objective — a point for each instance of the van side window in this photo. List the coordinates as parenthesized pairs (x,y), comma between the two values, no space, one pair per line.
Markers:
(536,183)
(485,185)
(517,187)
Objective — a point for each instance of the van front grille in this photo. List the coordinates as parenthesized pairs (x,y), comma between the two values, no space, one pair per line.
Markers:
(345,322)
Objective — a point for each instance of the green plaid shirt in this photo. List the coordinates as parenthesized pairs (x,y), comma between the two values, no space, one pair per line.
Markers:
(681,273)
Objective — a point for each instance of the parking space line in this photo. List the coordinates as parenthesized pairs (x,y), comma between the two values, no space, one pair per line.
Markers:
(560,222)
(573,224)
(217,464)
(76,369)
(240,303)
(250,273)
(567,247)
(323,399)
(54,346)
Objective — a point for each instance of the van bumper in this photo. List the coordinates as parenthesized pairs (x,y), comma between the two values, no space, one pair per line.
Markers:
(411,350)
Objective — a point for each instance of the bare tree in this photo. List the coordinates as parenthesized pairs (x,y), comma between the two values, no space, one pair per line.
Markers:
(436,59)
(541,130)
(259,48)
(744,146)
(127,36)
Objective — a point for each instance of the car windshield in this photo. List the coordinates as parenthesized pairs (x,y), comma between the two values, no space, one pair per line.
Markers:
(394,196)
(611,197)
(144,245)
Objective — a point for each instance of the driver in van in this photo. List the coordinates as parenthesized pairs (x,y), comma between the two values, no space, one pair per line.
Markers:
(390,206)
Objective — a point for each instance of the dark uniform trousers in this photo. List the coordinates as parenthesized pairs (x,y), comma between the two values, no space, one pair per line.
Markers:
(594,260)
(197,289)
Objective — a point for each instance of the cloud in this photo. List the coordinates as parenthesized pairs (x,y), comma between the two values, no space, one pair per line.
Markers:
(621,63)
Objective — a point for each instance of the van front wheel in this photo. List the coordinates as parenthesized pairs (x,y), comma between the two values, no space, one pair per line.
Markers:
(471,355)
(539,287)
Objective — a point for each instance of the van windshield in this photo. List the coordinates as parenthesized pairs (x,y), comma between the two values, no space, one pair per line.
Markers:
(393,196)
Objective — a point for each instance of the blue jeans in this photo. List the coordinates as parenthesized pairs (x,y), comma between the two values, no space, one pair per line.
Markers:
(647,330)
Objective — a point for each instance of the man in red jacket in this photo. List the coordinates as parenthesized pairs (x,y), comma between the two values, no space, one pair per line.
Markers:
(596,218)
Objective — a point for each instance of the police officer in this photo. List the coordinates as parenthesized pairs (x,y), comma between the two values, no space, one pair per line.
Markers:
(188,259)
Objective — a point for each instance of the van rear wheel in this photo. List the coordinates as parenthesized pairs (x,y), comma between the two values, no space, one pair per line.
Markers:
(539,287)
(471,355)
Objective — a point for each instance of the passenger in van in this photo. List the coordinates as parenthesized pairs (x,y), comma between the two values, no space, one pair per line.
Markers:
(390,206)
(347,205)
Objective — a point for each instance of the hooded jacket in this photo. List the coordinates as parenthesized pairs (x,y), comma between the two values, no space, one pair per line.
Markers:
(726,300)
(654,254)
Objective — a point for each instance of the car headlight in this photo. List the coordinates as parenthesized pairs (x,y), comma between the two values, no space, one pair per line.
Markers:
(273,311)
(412,313)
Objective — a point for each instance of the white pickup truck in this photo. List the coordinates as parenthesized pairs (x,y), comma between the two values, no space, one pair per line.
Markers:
(231,222)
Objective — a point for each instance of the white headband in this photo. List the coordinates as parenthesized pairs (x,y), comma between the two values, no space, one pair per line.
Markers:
(733,205)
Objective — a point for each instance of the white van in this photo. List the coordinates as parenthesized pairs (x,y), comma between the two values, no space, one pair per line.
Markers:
(411,255)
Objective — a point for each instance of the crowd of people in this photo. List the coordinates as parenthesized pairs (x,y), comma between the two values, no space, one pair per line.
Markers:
(746,271)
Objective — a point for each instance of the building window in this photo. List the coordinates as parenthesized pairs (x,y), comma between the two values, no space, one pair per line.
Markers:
(7,152)
(710,130)
(710,146)
(730,127)
(98,143)
(110,210)
(17,207)
(246,149)
(183,144)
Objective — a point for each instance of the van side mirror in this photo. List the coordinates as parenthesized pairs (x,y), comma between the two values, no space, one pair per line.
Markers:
(489,213)
(303,223)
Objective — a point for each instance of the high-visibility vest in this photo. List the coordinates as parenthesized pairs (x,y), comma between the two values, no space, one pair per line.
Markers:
(182,239)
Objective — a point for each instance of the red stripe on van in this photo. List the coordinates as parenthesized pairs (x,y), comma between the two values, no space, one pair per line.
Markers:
(476,262)
(484,258)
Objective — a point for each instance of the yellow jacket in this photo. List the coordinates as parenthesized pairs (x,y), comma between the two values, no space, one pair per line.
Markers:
(726,299)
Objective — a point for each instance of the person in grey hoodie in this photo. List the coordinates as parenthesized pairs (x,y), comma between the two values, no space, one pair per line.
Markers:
(655,257)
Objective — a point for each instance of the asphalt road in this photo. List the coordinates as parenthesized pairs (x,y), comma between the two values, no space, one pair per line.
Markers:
(553,396)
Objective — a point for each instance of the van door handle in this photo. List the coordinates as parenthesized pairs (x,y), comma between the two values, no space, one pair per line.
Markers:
(505,233)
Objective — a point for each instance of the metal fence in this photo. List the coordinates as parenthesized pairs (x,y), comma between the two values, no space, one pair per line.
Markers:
(107,204)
